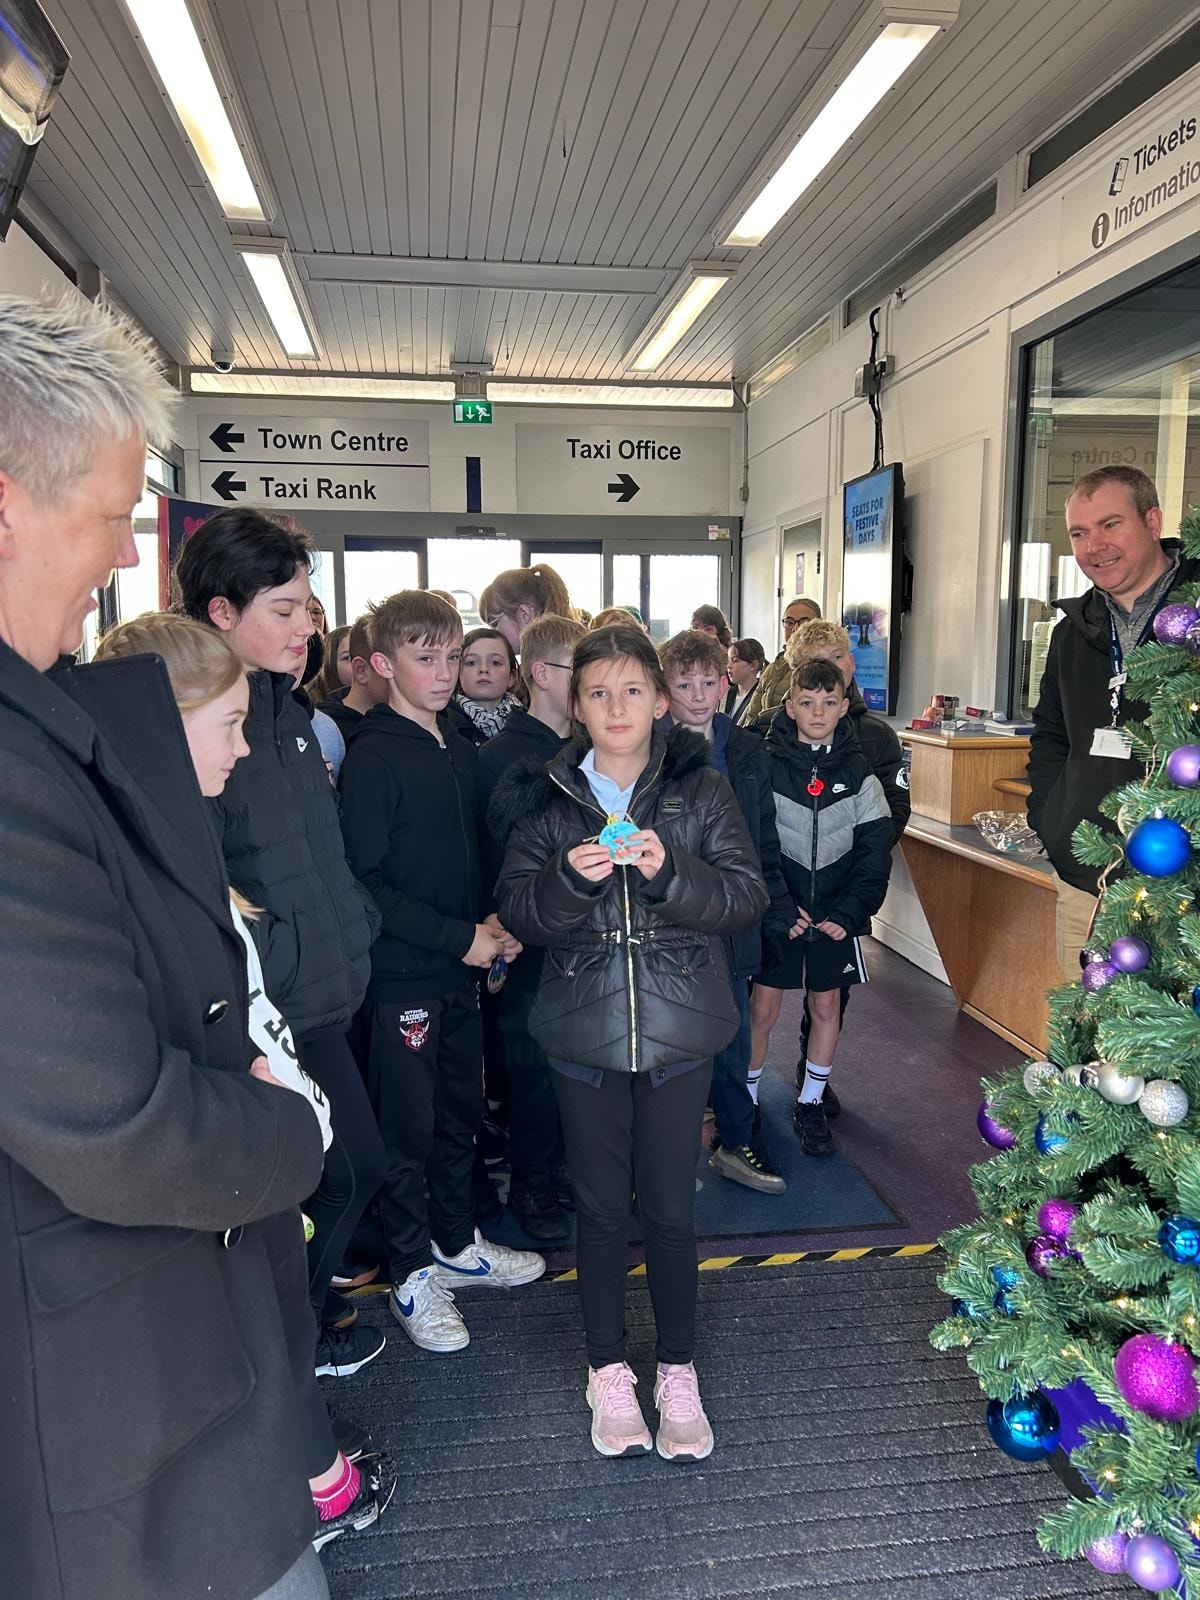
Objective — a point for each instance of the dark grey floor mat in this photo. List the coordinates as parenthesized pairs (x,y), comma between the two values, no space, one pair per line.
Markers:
(851,1458)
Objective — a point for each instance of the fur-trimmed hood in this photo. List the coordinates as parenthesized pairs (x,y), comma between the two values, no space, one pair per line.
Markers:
(528,789)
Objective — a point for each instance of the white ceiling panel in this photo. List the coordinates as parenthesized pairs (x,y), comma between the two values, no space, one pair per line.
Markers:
(519,181)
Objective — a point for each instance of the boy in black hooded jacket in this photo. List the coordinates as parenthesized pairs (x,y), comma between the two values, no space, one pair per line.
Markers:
(835,836)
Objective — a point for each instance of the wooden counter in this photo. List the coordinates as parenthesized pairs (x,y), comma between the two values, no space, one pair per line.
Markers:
(992,919)
(954,776)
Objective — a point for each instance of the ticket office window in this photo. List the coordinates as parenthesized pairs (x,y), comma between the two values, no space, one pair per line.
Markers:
(1120,386)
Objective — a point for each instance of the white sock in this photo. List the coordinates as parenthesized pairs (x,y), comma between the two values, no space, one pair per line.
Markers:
(752,1078)
(815,1079)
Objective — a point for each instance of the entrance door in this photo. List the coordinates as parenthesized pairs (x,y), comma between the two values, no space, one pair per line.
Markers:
(666,586)
(801,573)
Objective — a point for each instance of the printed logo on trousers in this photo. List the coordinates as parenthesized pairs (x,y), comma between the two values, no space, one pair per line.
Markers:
(414,1028)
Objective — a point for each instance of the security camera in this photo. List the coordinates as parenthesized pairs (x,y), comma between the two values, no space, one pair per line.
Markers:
(222,357)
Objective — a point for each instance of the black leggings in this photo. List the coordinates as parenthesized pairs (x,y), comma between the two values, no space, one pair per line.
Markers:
(355,1163)
(628,1132)
(284,1238)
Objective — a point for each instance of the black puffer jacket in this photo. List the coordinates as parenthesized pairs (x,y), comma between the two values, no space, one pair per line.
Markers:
(635,976)
(837,843)
(750,780)
(1067,781)
(279,829)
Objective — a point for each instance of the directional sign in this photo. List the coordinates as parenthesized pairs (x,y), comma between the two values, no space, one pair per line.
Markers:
(639,469)
(315,463)
(472,411)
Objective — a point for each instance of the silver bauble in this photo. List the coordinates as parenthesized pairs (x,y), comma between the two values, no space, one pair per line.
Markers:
(1117,1089)
(1084,1077)
(1163,1103)
(1038,1073)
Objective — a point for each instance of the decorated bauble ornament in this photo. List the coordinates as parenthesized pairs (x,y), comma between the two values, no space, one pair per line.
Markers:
(1116,1087)
(1158,847)
(1042,1253)
(1002,1302)
(1050,1140)
(968,1311)
(1179,1238)
(1005,1277)
(1172,623)
(1026,1427)
(1191,638)
(1037,1074)
(1183,766)
(1156,1378)
(1151,1563)
(1196,999)
(1107,1554)
(1097,974)
(1164,1103)
(999,1138)
(1129,954)
(1056,1218)
(1085,1077)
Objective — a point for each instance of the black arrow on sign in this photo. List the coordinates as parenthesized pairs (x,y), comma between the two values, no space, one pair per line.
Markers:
(225,438)
(227,485)
(624,488)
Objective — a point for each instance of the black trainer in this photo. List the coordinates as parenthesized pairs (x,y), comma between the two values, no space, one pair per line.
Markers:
(350,1439)
(756,1123)
(747,1164)
(342,1351)
(831,1102)
(812,1128)
(338,1311)
(536,1208)
(375,1490)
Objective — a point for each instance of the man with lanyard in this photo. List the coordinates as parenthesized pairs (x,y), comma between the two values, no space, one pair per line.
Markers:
(1079,749)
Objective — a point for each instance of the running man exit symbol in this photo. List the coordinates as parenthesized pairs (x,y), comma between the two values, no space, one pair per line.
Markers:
(472,411)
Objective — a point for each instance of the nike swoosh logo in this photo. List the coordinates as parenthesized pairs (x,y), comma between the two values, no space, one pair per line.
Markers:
(481,1271)
(406,1306)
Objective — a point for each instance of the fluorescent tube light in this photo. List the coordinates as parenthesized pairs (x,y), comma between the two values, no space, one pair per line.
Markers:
(611,394)
(279,290)
(1034,581)
(320,386)
(169,37)
(860,91)
(688,298)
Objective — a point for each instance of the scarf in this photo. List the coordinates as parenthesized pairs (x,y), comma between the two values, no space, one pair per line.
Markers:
(488,716)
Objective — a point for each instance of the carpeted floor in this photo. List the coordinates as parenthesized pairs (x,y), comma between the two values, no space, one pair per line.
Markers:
(851,1458)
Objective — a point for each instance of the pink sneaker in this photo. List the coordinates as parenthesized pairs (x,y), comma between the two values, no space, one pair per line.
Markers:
(684,1432)
(618,1427)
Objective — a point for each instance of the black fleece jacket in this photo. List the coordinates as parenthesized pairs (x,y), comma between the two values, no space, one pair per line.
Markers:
(336,709)
(522,738)
(1067,781)
(410,818)
(750,780)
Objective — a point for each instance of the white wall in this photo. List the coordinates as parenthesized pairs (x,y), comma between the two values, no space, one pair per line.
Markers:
(25,270)
(946,419)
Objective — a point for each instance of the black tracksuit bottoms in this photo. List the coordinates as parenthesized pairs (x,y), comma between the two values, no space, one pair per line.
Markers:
(627,1133)
(426,1082)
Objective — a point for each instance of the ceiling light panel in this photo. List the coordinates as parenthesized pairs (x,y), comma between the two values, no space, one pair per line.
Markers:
(298,385)
(687,300)
(880,67)
(169,37)
(279,289)
(677,396)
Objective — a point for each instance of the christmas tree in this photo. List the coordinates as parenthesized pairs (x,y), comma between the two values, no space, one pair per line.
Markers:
(1081,1278)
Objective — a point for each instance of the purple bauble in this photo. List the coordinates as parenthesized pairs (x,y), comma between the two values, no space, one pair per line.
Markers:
(1183,766)
(1107,1554)
(1129,954)
(1055,1218)
(1172,623)
(999,1138)
(1156,1378)
(1097,973)
(1151,1562)
(1042,1253)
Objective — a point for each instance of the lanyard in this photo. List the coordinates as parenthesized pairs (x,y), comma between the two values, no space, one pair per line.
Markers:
(1116,661)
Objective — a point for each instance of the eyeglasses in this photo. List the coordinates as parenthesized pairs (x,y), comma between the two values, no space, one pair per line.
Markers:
(791,622)
(563,666)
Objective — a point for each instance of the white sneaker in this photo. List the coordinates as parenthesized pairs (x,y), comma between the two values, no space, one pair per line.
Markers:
(494,1264)
(425,1309)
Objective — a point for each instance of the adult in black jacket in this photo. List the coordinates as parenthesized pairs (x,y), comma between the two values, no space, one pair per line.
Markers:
(1115,525)
(278,820)
(150,1443)
(634,1000)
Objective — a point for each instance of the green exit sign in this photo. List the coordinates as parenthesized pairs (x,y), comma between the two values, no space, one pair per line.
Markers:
(472,411)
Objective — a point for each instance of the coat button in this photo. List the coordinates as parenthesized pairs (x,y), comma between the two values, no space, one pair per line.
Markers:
(231,1238)
(216,1011)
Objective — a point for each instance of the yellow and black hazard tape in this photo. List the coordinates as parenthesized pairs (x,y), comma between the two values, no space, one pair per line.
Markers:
(781,1258)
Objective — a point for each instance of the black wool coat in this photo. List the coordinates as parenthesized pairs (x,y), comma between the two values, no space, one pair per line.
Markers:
(635,976)
(279,827)
(150,1447)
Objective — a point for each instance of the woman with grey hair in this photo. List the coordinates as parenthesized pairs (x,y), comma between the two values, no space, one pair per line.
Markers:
(148,1180)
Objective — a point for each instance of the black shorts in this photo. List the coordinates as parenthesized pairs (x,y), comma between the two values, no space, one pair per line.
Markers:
(821,963)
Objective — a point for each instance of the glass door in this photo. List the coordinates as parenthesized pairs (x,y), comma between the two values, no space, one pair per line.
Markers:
(666,586)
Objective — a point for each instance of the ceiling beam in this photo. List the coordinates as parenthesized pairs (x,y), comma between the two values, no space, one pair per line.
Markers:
(421,272)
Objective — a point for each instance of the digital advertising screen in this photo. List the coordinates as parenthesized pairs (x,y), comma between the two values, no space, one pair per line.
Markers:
(873,520)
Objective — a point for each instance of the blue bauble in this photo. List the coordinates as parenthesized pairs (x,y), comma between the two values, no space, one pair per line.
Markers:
(1025,1427)
(1002,1302)
(1159,847)
(1179,1238)
(1049,1140)
(1006,1277)
(1196,999)
(969,1312)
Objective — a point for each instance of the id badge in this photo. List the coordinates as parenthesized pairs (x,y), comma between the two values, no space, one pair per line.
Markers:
(1112,742)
